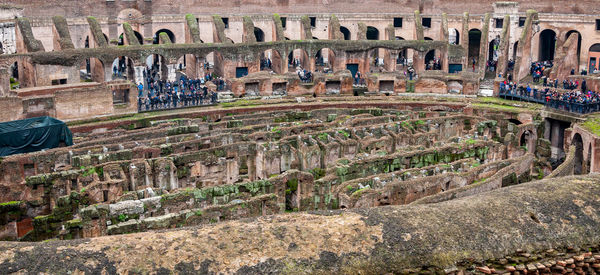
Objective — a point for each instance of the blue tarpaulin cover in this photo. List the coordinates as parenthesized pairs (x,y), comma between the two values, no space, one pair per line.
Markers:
(33,134)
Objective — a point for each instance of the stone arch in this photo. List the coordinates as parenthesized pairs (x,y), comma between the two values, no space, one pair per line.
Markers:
(271,59)
(188,64)
(372,33)
(594,57)
(168,32)
(578,43)
(138,36)
(298,57)
(578,161)
(14,73)
(474,45)
(325,59)
(87,41)
(515,50)
(453,36)
(346,32)
(515,121)
(259,34)
(130,16)
(158,67)
(213,63)
(123,67)
(493,47)
(527,140)
(401,55)
(380,59)
(92,69)
(547,45)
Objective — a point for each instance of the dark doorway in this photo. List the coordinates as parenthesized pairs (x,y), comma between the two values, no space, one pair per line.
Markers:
(474,44)
(578,161)
(353,68)
(259,34)
(372,33)
(547,45)
(241,72)
(346,32)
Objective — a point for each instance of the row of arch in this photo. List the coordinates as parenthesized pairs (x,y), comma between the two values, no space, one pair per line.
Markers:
(323,60)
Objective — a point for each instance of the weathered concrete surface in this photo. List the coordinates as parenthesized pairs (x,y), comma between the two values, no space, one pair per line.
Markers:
(536,216)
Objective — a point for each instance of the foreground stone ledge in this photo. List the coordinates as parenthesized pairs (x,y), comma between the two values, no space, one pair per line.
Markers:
(558,214)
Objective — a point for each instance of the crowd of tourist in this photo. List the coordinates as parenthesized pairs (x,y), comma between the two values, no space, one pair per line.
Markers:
(572,96)
(537,69)
(162,94)
(433,64)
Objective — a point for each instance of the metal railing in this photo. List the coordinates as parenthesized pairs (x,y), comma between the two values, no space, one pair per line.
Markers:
(543,97)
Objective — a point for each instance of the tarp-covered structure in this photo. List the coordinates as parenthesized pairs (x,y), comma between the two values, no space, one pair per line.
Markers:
(33,134)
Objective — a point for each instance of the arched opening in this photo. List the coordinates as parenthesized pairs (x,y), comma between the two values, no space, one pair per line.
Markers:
(156,67)
(213,66)
(259,34)
(325,60)
(578,43)
(138,36)
(547,45)
(402,55)
(1,48)
(453,36)
(594,57)
(181,64)
(474,46)
(168,32)
(372,33)
(578,161)
(380,60)
(431,62)
(588,166)
(493,49)
(14,76)
(527,141)
(187,65)
(91,70)
(515,121)
(298,58)
(515,50)
(123,68)
(270,60)
(345,32)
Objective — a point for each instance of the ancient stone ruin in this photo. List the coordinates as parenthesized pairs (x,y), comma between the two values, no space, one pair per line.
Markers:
(359,140)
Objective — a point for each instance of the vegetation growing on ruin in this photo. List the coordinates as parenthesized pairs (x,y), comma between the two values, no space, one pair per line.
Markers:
(592,124)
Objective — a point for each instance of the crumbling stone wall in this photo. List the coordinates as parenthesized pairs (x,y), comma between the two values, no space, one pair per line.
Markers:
(537,211)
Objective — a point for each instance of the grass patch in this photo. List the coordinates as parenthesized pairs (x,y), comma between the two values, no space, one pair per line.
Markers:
(593,125)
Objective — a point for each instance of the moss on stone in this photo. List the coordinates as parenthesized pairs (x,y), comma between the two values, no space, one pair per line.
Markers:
(248,32)
(279,36)
(193,28)
(334,28)
(362,31)
(62,29)
(31,44)
(305,20)
(97,33)
(419,26)
(164,38)
(130,35)
(220,30)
